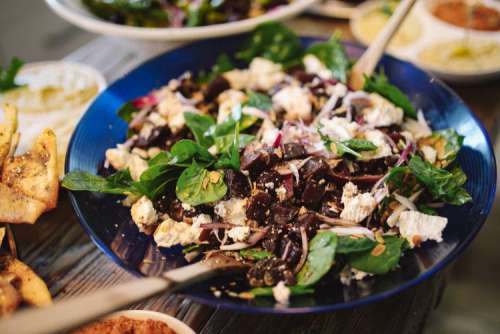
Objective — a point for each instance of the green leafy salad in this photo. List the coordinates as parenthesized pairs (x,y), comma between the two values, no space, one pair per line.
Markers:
(280,165)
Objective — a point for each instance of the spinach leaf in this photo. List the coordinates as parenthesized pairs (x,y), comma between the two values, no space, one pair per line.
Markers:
(442,184)
(224,143)
(190,248)
(320,258)
(359,145)
(341,149)
(378,83)
(199,126)
(295,290)
(154,180)
(8,76)
(119,183)
(255,254)
(231,158)
(347,245)
(196,185)
(126,111)
(186,149)
(382,263)
(259,101)
(222,64)
(332,54)
(273,41)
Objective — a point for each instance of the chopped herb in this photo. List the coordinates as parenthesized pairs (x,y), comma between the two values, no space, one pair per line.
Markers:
(8,75)
(255,254)
(295,290)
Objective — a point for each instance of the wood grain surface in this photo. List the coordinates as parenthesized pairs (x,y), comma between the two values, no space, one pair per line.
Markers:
(60,251)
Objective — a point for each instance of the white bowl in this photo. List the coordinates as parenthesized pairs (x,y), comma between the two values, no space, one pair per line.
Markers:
(75,12)
(175,324)
(433,31)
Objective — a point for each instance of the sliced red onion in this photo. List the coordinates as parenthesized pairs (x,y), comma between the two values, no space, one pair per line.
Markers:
(252,240)
(139,118)
(305,248)
(145,101)
(257,236)
(287,250)
(277,141)
(336,221)
(211,226)
(380,194)
(391,142)
(354,230)
(360,179)
(295,171)
(252,111)
(393,218)
(410,148)
(185,100)
(235,246)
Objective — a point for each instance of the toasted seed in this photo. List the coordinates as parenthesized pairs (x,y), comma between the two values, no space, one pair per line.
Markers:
(205,183)
(214,176)
(246,295)
(417,240)
(379,249)
(378,237)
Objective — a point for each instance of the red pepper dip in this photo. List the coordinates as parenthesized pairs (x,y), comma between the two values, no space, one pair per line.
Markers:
(124,325)
(459,13)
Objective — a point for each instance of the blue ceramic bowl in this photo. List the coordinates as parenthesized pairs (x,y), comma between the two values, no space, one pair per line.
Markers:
(110,227)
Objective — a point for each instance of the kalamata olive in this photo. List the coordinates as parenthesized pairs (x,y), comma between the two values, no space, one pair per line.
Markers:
(293,151)
(237,183)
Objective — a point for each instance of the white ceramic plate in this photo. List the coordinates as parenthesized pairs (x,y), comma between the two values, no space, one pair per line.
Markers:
(178,326)
(334,8)
(75,12)
(433,30)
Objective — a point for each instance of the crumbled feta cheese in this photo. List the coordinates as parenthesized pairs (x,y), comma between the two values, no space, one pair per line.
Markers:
(269,132)
(186,206)
(269,185)
(136,166)
(201,219)
(358,207)
(281,293)
(418,227)
(430,154)
(382,112)
(171,233)
(144,215)
(264,74)
(172,108)
(417,129)
(118,157)
(140,152)
(349,191)
(338,128)
(232,211)
(146,130)
(377,137)
(157,119)
(238,79)
(281,193)
(130,200)
(295,101)
(239,233)
(339,90)
(228,100)
(314,66)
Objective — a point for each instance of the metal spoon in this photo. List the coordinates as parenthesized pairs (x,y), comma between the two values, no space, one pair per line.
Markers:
(69,314)
(368,61)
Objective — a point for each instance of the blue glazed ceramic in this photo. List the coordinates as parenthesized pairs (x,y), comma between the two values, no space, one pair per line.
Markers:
(110,227)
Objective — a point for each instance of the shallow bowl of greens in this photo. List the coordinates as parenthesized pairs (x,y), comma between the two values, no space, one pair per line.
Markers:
(77,13)
(109,224)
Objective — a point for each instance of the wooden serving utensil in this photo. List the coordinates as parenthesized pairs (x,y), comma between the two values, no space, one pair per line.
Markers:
(368,61)
(72,313)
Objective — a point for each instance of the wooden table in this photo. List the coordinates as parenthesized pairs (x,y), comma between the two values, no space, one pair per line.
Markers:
(60,251)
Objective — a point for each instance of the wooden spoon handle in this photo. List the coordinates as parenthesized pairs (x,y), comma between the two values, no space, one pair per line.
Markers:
(370,58)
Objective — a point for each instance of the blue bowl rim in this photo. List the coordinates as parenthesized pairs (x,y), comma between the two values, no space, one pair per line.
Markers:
(311,309)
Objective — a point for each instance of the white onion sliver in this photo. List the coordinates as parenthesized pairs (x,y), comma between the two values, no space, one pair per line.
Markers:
(295,171)
(354,230)
(235,246)
(405,201)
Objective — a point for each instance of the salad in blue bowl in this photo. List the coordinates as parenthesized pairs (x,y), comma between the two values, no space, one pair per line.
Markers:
(269,157)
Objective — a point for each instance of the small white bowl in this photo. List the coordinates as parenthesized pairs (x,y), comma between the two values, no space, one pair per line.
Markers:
(75,12)
(175,324)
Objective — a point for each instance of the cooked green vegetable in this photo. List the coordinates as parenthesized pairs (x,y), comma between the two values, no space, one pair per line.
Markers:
(255,254)
(378,83)
(273,41)
(8,75)
(320,258)
(118,183)
(332,54)
(347,245)
(295,290)
(360,145)
(381,259)
(442,184)
(196,185)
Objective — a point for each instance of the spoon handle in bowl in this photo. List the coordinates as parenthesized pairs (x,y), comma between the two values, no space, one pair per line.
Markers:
(368,61)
